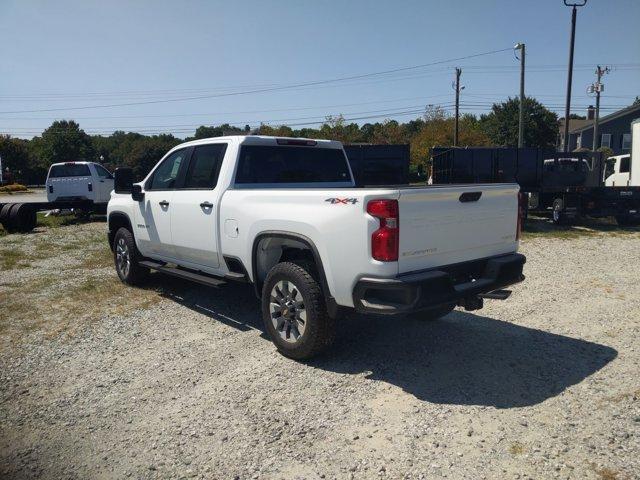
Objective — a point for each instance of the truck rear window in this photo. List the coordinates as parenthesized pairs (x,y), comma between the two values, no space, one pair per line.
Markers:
(70,170)
(260,164)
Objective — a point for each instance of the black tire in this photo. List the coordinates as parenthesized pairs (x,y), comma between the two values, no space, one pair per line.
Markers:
(13,220)
(557,214)
(432,314)
(26,217)
(318,328)
(125,246)
(4,216)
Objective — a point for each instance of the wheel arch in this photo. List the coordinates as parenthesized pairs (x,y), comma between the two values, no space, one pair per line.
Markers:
(287,240)
(118,220)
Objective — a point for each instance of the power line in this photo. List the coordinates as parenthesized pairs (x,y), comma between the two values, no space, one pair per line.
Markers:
(263,90)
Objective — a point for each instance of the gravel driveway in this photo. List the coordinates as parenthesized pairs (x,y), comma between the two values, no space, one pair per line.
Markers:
(179,381)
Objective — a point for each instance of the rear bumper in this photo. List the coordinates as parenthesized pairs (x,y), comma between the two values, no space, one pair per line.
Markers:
(441,286)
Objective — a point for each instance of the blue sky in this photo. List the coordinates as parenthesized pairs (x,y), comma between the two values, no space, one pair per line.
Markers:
(63,55)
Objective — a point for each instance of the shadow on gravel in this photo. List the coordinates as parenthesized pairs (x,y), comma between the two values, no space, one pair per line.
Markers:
(464,359)
(234,305)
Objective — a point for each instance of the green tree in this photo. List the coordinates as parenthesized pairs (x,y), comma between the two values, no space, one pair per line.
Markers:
(63,141)
(501,125)
(16,159)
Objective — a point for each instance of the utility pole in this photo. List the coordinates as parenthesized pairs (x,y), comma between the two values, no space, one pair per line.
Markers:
(520,46)
(567,108)
(597,88)
(457,88)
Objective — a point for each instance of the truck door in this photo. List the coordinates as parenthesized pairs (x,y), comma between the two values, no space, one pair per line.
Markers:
(104,184)
(153,214)
(194,209)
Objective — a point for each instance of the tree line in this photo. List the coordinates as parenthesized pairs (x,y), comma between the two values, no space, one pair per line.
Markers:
(64,140)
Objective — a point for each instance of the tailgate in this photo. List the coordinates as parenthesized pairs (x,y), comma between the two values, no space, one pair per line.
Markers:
(443,225)
(70,186)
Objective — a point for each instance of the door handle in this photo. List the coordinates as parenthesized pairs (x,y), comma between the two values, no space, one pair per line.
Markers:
(206,205)
(163,203)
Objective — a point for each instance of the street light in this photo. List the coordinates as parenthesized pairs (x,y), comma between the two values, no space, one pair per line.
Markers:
(567,107)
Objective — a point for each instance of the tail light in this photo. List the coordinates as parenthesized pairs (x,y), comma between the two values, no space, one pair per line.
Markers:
(386,239)
(523,204)
(90,186)
(50,188)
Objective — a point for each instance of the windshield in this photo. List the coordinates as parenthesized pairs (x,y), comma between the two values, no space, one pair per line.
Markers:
(609,167)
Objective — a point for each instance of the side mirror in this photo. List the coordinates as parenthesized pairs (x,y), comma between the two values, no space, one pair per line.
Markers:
(123,180)
(136,193)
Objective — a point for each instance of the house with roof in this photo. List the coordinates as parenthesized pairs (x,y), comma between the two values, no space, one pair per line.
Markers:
(614,130)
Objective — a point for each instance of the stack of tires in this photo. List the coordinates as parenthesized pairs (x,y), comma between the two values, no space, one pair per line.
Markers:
(18,217)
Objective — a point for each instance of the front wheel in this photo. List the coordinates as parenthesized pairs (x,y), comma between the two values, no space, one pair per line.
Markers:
(126,257)
(295,313)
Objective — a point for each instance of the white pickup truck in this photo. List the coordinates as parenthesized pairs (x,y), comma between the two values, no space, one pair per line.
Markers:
(284,215)
(87,182)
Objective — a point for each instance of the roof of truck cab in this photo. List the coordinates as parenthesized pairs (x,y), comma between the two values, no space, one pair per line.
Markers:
(259,140)
(80,162)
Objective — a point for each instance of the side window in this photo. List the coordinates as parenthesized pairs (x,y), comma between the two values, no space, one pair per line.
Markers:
(625,164)
(102,172)
(164,177)
(262,164)
(204,166)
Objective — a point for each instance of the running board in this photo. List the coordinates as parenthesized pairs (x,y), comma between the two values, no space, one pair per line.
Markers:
(198,277)
(496,294)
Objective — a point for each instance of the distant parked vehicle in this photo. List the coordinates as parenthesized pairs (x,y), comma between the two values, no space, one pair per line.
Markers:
(79,181)
(617,171)
(79,186)
(566,185)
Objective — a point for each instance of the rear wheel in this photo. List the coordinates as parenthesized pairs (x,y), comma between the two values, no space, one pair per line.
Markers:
(432,314)
(295,313)
(126,257)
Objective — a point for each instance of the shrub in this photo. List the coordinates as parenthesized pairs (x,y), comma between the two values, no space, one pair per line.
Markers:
(14,187)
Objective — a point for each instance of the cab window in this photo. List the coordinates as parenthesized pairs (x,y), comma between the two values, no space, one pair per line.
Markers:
(204,166)
(164,177)
(625,164)
(102,172)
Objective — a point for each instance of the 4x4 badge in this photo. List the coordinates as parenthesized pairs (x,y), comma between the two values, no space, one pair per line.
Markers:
(334,201)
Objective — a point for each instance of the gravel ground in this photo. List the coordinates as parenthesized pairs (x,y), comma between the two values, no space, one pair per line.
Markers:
(179,381)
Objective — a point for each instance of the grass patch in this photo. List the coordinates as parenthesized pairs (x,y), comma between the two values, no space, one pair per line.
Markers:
(74,285)
(101,258)
(53,307)
(516,448)
(10,259)
(55,221)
